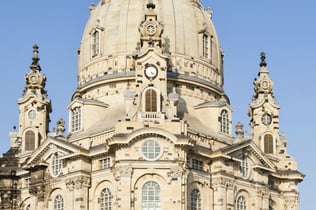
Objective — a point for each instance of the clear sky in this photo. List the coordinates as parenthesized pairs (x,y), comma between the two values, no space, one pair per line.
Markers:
(285,30)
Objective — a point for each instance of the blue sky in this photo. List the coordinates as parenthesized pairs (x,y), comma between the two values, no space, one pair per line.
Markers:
(285,30)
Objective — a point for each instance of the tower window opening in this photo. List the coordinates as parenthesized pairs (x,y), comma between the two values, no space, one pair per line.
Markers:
(29,140)
(76,119)
(95,43)
(268,143)
(151,101)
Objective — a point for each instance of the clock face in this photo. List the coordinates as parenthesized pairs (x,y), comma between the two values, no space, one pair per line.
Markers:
(266,119)
(33,79)
(151,29)
(265,84)
(151,72)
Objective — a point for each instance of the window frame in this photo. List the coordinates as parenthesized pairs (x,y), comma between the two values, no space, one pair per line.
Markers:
(76,118)
(151,149)
(105,163)
(206,45)
(197,164)
(58,202)
(95,45)
(268,143)
(244,167)
(241,203)
(56,165)
(225,122)
(196,199)
(29,141)
(151,199)
(151,100)
(106,199)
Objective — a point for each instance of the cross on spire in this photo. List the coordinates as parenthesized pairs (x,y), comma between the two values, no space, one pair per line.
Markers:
(263,59)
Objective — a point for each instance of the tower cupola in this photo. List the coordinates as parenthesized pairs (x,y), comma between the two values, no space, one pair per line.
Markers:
(34,107)
(264,111)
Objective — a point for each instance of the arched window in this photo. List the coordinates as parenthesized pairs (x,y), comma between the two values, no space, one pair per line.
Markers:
(105,201)
(76,119)
(241,203)
(205,46)
(195,200)
(56,165)
(224,121)
(268,143)
(95,43)
(58,203)
(151,196)
(151,101)
(29,140)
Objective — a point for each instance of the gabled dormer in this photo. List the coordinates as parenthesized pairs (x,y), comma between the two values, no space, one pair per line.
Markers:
(34,108)
(264,112)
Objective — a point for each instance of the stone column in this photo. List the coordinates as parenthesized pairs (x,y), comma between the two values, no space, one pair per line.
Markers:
(124,195)
(220,193)
(79,186)
(230,196)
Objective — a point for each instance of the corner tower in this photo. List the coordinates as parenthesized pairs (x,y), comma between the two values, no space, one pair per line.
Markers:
(34,108)
(264,122)
(264,112)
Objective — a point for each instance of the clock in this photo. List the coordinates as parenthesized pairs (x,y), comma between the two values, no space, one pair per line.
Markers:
(33,79)
(151,72)
(265,84)
(151,29)
(266,119)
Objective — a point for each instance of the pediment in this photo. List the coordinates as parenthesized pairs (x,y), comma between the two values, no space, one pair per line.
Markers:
(248,148)
(43,153)
(124,139)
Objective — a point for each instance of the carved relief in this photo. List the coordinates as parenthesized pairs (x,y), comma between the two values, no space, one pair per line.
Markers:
(120,172)
(175,173)
(78,182)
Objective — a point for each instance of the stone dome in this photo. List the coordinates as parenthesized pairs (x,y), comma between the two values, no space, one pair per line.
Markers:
(185,24)
(122,39)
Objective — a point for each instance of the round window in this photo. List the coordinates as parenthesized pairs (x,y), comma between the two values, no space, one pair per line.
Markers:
(32,114)
(151,149)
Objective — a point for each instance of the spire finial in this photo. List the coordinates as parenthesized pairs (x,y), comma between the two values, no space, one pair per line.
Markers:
(35,57)
(151,5)
(263,59)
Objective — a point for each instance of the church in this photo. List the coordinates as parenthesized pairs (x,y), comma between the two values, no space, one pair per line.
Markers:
(149,125)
